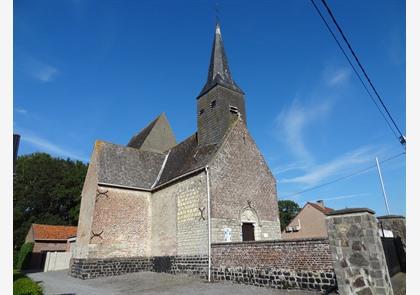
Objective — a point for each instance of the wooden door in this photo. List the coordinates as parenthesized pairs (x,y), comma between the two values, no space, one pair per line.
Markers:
(248,232)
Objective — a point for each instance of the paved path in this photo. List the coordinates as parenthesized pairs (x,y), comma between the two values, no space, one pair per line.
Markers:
(150,283)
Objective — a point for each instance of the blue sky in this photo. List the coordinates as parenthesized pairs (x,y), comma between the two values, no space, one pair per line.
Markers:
(87,70)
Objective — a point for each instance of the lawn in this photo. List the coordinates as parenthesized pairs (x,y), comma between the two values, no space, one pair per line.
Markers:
(22,285)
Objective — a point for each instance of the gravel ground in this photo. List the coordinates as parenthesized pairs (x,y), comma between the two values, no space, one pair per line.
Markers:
(60,283)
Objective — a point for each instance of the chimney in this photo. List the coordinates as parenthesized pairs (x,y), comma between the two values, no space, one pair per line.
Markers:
(320,203)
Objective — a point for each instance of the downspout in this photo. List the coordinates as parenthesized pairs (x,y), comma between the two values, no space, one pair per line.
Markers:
(208,221)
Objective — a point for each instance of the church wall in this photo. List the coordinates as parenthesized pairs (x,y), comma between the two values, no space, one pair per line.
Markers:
(86,208)
(121,224)
(164,214)
(191,230)
(241,182)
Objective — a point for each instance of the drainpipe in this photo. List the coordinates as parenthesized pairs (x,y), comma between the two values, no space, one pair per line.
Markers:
(208,220)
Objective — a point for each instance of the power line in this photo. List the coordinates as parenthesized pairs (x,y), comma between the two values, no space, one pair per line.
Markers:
(360,64)
(343,177)
(354,69)
(401,137)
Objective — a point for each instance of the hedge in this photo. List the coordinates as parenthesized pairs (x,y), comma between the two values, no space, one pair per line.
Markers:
(24,254)
(22,285)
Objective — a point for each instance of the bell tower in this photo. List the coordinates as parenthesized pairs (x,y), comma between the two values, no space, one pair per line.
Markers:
(221,100)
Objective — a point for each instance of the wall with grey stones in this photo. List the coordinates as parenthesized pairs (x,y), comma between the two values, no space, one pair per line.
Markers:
(93,268)
(358,256)
(283,264)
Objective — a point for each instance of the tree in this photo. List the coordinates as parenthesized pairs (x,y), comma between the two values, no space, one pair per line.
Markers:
(287,210)
(47,191)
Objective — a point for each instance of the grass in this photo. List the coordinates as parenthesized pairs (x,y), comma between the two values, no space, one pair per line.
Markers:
(22,285)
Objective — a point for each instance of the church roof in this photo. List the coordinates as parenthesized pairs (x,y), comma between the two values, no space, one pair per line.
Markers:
(137,140)
(219,73)
(186,157)
(126,166)
(155,137)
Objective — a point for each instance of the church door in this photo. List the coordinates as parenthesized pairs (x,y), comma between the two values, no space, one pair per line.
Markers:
(248,232)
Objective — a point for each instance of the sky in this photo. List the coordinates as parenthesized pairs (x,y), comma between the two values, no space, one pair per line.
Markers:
(88,70)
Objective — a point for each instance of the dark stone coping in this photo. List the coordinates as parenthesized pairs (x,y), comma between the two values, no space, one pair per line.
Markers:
(350,211)
(272,241)
(391,217)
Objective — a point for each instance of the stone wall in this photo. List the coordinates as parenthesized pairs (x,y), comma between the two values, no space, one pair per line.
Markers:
(296,264)
(191,228)
(242,189)
(357,252)
(93,268)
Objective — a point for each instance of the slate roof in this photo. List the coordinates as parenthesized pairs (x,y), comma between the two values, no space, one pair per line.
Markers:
(53,232)
(219,73)
(137,140)
(126,166)
(186,157)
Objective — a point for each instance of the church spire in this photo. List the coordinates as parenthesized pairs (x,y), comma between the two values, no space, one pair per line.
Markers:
(219,73)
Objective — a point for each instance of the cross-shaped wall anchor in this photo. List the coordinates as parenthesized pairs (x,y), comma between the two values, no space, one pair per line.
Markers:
(249,203)
(96,235)
(202,213)
(101,194)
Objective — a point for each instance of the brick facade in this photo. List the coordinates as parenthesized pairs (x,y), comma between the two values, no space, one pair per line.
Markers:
(242,188)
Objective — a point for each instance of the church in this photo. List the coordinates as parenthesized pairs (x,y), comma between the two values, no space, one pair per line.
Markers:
(155,197)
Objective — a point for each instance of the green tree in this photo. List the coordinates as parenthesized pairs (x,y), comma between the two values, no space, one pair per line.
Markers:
(47,191)
(287,210)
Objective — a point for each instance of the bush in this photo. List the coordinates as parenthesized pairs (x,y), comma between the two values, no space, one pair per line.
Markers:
(22,285)
(23,255)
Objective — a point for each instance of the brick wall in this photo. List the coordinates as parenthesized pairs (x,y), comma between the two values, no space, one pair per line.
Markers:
(241,181)
(121,224)
(300,264)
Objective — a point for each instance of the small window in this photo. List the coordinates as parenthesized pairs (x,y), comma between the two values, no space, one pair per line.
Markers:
(233,109)
(213,104)
(201,111)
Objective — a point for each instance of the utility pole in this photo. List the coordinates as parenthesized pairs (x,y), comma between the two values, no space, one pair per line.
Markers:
(383,187)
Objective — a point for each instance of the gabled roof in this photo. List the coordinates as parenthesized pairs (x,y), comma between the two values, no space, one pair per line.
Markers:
(219,73)
(324,210)
(155,137)
(126,166)
(186,157)
(53,232)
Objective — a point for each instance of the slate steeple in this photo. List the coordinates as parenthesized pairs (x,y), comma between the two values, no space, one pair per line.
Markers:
(219,73)
(221,101)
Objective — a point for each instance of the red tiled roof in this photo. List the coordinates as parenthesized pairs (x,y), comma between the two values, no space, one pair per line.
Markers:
(53,232)
(324,210)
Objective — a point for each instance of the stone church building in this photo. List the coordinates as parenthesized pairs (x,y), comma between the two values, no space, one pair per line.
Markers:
(151,197)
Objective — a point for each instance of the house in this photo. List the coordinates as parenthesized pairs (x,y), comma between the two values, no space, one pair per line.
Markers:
(150,198)
(47,238)
(309,222)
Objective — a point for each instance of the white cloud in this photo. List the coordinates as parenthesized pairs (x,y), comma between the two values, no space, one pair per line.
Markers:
(291,124)
(40,70)
(337,77)
(21,111)
(336,167)
(47,146)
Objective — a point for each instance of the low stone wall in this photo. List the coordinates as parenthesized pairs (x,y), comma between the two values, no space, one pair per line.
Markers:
(283,264)
(92,268)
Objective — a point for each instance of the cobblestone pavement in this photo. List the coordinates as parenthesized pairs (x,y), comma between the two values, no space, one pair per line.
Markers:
(59,283)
